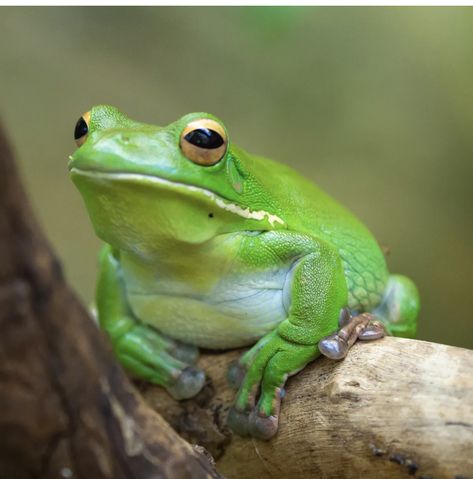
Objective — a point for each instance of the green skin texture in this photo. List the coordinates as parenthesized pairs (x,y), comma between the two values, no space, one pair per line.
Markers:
(243,252)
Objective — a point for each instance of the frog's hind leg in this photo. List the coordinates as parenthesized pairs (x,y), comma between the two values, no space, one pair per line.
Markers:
(399,307)
(396,315)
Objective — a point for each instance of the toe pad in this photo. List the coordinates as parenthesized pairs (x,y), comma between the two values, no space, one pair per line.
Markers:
(188,384)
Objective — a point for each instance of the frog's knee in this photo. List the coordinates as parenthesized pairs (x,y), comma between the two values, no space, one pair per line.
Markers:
(399,307)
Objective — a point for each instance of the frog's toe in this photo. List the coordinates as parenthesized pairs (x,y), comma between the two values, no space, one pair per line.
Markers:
(235,374)
(363,326)
(333,347)
(263,427)
(187,353)
(188,384)
(239,421)
(251,423)
(374,330)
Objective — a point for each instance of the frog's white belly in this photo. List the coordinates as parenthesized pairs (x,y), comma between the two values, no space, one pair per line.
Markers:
(236,312)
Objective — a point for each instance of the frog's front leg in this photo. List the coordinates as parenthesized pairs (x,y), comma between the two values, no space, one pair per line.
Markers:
(318,292)
(140,348)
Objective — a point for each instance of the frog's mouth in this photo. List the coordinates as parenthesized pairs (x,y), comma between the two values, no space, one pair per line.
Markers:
(247,213)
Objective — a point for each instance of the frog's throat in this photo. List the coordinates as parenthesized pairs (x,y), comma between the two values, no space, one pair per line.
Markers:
(226,205)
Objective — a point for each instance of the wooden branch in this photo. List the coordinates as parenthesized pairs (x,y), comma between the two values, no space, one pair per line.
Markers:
(66,408)
(392,408)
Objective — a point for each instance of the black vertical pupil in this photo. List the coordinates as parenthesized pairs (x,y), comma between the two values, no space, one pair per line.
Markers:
(204,138)
(81,128)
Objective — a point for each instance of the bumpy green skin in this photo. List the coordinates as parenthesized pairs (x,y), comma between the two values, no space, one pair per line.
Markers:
(242,252)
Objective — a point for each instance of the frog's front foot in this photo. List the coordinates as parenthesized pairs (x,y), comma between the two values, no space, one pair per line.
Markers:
(363,326)
(187,353)
(189,383)
(262,372)
(160,360)
(236,373)
(251,423)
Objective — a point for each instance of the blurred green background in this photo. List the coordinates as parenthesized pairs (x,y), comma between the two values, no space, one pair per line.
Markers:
(374,104)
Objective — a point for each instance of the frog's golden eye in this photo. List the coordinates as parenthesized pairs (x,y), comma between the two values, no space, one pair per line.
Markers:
(204,142)
(82,129)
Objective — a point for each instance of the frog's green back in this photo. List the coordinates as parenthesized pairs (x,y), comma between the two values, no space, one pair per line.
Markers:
(306,208)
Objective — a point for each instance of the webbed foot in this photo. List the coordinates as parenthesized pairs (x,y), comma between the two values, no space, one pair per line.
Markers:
(363,326)
(262,373)
(250,423)
(160,360)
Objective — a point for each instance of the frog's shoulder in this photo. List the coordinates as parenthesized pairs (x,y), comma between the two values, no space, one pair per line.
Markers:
(308,209)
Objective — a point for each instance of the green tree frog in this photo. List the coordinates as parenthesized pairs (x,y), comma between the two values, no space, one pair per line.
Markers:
(208,246)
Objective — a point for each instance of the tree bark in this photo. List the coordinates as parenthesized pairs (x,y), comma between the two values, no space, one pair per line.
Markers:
(66,408)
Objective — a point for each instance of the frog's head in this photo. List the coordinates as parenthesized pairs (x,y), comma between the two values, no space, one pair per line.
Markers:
(145,184)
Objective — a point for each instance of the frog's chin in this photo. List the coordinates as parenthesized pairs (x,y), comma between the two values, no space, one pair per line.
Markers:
(140,210)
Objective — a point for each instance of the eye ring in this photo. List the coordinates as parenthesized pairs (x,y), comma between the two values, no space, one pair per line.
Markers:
(204,142)
(81,130)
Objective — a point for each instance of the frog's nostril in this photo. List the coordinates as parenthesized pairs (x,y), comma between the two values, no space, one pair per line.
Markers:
(125,139)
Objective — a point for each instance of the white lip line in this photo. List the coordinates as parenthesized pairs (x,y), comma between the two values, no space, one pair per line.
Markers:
(232,207)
